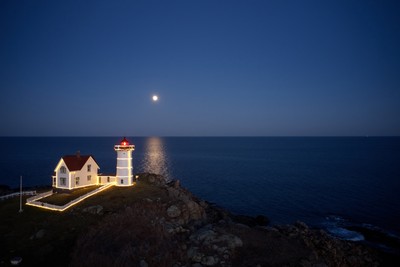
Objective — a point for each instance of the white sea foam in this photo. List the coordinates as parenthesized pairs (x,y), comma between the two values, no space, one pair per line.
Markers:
(335,225)
(345,234)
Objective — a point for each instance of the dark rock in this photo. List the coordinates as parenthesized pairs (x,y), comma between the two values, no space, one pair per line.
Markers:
(173,211)
(191,232)
(209,261)
(177,184)
(98,209)
(196,212)
(246,220)
(152,178)
(301,225)
(148,200)
(262,220)
(377,236)
(38,235)
(143,263)
(16,261)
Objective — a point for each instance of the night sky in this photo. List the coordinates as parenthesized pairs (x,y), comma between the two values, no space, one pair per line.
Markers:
(220,68)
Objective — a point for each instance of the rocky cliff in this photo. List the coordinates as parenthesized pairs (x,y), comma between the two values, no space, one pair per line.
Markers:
(174,228)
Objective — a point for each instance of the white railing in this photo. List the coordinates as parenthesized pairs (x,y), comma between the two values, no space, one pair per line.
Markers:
(26,193)
(39,196)
(48,206)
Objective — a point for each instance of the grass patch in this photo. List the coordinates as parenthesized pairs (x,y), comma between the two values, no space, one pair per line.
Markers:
(64,198)
(18,234)
(62,229)
(115,198)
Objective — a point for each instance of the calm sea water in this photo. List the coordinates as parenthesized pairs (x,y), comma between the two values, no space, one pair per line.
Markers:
(317,180)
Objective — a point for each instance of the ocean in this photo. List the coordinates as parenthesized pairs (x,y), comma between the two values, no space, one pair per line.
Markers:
(327,182)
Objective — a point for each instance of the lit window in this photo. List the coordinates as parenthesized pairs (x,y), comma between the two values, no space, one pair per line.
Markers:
(63,170)
(89,177)
(77,180)
(89,168)
(63,181)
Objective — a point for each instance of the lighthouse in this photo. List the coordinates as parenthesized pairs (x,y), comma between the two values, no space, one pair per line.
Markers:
(124,175)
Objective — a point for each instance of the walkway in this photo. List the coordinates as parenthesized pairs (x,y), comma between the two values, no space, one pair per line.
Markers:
(34,201)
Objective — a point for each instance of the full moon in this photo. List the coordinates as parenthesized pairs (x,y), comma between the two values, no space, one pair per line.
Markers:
(155,98)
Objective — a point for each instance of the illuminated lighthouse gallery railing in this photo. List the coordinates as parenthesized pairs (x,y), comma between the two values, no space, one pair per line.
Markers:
(124,163)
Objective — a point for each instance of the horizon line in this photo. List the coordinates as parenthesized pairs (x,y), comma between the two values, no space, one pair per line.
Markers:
(183,136)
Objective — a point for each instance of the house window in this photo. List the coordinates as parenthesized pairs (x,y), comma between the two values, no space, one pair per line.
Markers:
(89,177)
(63,181)
(54,181)
(77,180)
(63,170)
(122,181)
(89,168)
(108,179)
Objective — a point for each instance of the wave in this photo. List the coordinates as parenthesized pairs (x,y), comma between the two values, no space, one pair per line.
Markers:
(334,225)
(345,234)
(372,235)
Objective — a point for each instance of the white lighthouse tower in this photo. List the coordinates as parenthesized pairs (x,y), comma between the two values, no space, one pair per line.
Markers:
(124,175)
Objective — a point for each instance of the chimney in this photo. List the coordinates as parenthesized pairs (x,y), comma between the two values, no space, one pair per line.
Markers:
(78,154)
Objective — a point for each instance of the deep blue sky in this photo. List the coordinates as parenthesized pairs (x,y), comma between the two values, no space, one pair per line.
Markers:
(225,68)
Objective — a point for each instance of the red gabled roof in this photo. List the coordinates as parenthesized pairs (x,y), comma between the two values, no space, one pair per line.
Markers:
(76,162)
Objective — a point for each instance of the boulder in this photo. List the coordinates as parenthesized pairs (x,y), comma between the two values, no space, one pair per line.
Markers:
(206,236)
(232,241)
(173,192)
(191,251)
(39,234)
(143,263)
(209,261)
(197,257)
(203,234)
(152,178)
(177,184)
(16,261)
(98,209)
(195,210)
(262,220)
(173,211)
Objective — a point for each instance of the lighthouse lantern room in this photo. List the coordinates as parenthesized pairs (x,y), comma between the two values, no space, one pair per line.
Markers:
(124,175)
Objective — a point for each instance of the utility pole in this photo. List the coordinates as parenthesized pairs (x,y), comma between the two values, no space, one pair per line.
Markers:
(20,194)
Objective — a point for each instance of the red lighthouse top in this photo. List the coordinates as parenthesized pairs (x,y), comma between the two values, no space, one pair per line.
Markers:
(124,142)
(124,145)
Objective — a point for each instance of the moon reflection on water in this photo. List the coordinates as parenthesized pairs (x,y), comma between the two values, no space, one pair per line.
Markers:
(155,159)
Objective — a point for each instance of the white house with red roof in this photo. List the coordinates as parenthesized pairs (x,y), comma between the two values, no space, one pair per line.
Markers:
(76,171)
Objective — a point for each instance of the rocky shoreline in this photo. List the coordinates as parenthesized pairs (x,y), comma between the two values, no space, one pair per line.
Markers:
(182,230)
